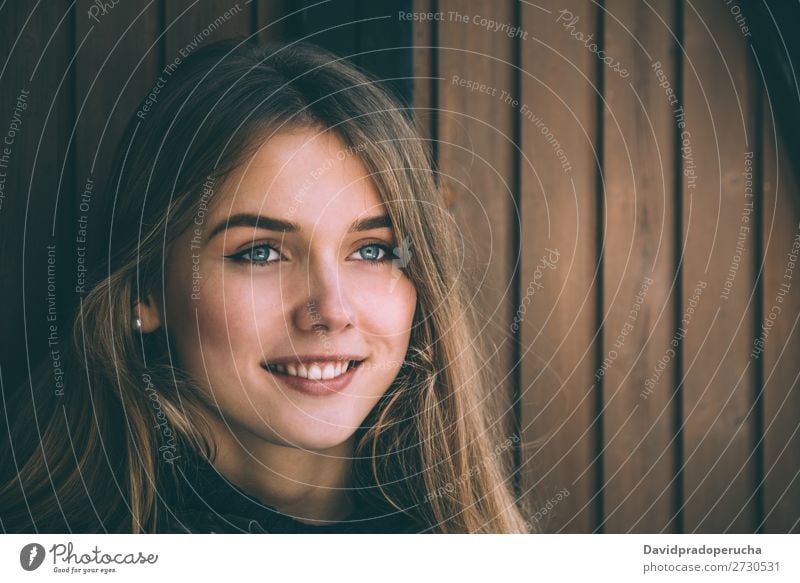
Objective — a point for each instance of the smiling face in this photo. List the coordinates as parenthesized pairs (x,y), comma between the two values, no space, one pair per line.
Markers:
(290,274)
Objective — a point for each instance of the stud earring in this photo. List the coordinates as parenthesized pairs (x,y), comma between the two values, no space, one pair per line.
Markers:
(137,323)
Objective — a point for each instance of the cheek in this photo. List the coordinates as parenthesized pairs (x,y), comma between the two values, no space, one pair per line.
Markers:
(385,310)
(224,316)
(241,307)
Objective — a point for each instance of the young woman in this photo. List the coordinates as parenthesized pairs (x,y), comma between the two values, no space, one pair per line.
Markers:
(277,336)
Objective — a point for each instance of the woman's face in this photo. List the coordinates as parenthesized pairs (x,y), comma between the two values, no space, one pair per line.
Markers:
(283,300)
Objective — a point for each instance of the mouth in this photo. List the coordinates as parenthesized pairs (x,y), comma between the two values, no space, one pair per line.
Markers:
(321,370)
(317,377)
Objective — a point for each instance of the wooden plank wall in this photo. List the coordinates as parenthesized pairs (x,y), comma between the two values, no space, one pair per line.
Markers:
(559,233)
(632,223)
(647,240)
(638,270)
(780,372)
(719,468)
(474,138)
(37,178)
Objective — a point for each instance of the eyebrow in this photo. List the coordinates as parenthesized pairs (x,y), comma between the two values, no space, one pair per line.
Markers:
(272,224)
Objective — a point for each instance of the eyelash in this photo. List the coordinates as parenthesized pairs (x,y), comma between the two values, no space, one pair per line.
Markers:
(240,256)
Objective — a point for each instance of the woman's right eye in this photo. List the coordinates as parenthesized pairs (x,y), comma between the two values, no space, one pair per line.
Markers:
(257,255)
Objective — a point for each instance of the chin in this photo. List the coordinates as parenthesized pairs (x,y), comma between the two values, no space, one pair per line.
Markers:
(324,438)
(303,430)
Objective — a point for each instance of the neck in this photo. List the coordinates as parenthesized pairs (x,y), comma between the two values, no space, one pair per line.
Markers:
(311,486)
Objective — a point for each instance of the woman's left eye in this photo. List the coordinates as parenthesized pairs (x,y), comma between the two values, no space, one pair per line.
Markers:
(374,253)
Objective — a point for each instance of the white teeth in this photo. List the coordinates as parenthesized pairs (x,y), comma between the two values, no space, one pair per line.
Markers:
(315,370)
(328,372)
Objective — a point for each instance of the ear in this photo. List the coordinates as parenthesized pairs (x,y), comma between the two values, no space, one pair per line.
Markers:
(147,311)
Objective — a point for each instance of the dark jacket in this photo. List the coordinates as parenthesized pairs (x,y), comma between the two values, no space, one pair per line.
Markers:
(206,502)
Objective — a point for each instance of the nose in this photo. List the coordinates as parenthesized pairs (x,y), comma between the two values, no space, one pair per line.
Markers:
(324,305)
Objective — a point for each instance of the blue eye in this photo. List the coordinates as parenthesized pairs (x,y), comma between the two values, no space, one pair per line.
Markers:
(375,253)
(257,255)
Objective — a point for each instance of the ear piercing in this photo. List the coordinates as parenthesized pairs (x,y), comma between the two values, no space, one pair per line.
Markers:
(137,323)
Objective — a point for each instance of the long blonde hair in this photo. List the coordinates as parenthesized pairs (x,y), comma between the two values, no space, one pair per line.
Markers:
(433,447)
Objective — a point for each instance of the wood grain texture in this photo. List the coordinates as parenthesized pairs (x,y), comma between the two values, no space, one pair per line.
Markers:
(639,268)
(423,70)
(719,471)
(115,69)
(476,153)
(558,323)
(270,23)
(779,333)
(190,24)
(36,116)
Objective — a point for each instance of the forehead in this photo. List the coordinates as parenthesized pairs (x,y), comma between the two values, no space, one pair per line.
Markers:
(301,176)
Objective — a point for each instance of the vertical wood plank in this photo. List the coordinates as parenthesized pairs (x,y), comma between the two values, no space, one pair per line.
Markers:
(778,336)
(423,67)
(557,313)
(383,44)
(115,69)
(718,229)
(476,165)
(638,260)
(332,25)
(370,34)
(191,24)
(35,115)
(269,21)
